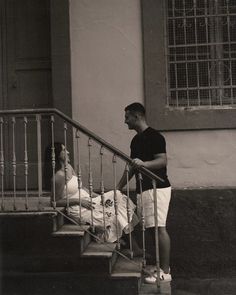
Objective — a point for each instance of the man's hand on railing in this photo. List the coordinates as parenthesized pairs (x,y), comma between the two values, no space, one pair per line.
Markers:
(137,163)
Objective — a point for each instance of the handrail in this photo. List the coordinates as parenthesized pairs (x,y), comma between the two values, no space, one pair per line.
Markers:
(84,130)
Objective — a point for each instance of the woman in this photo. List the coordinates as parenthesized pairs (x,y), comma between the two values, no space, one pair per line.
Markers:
(67,192)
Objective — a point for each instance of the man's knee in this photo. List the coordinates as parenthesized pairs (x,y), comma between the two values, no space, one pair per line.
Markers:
(162,230)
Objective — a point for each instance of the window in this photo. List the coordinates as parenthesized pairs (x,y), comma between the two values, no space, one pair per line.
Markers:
(189,54)
(201,41)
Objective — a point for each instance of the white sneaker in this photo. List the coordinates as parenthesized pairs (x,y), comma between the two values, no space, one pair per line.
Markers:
(164,277)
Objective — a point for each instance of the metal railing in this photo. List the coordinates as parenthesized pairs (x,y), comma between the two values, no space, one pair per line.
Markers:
(21,144)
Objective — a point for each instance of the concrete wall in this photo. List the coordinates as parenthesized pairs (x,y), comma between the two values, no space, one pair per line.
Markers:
(106,61)
(202,158)
(107,74)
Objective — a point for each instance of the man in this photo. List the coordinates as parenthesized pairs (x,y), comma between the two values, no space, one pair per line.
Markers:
(148,149)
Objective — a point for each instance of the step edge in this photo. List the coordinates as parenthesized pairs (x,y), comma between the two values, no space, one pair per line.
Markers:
(66,234)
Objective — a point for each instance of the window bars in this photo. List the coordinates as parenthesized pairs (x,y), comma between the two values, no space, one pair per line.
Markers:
(201,53)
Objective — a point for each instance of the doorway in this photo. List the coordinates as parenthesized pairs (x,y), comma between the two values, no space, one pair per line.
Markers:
(26,79)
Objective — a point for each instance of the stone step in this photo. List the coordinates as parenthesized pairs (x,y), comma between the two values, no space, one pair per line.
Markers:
(127,276)
(100,257)
(69,283)
(125,267)
(152,289)
(72,232)
(124,280)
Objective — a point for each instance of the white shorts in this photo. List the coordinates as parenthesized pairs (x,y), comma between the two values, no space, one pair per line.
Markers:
(163,200)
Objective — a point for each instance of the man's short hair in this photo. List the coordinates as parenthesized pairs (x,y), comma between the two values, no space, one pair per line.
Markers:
(136,107)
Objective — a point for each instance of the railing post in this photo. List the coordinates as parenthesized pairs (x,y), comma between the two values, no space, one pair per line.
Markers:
(156,233)
(53,163)
(2,163)
(115,199)
(140,179)
(26,163)
(14,160)
(79,173)
(90,182)
(39,150)
(102,189)
(66,168)
(129,211)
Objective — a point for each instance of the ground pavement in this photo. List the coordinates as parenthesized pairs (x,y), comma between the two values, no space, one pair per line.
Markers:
(213,286)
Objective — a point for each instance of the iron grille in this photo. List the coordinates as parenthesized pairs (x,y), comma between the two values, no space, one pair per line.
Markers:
(201,53)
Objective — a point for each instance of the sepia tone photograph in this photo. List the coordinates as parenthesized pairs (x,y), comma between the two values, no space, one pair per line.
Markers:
(117,147)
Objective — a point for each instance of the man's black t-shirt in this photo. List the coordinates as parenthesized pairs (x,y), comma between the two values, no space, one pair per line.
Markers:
(144,146)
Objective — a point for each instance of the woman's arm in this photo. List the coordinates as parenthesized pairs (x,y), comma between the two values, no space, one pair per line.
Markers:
(59,185)
(75,201)
(61,201)
(94,195)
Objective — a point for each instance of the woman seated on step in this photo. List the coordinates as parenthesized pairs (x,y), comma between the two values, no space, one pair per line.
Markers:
(113,229)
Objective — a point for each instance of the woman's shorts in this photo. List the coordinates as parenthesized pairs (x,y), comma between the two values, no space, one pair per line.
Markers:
(163,200)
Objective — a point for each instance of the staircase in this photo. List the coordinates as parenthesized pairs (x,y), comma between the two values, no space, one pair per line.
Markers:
(44,254)
(41,253)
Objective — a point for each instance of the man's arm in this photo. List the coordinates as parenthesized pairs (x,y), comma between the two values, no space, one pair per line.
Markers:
(159,161)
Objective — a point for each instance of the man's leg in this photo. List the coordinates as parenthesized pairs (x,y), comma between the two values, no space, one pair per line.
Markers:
(164,249)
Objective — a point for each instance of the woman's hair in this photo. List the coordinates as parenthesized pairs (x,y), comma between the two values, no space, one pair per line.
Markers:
(48,172)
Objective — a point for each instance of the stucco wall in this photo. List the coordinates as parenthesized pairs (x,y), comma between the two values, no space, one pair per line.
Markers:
(106,61)
(202,158)
(107,74)
(106,64)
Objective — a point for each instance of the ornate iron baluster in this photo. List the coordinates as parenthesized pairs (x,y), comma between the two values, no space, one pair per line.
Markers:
(129,211)
(115,199)
(26,164)
(53,163)
(2,163)
(39,151)
(156,232)
(90,182)
(79,173)
(140,179)
(102,188)
(66,168)
(14,161)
